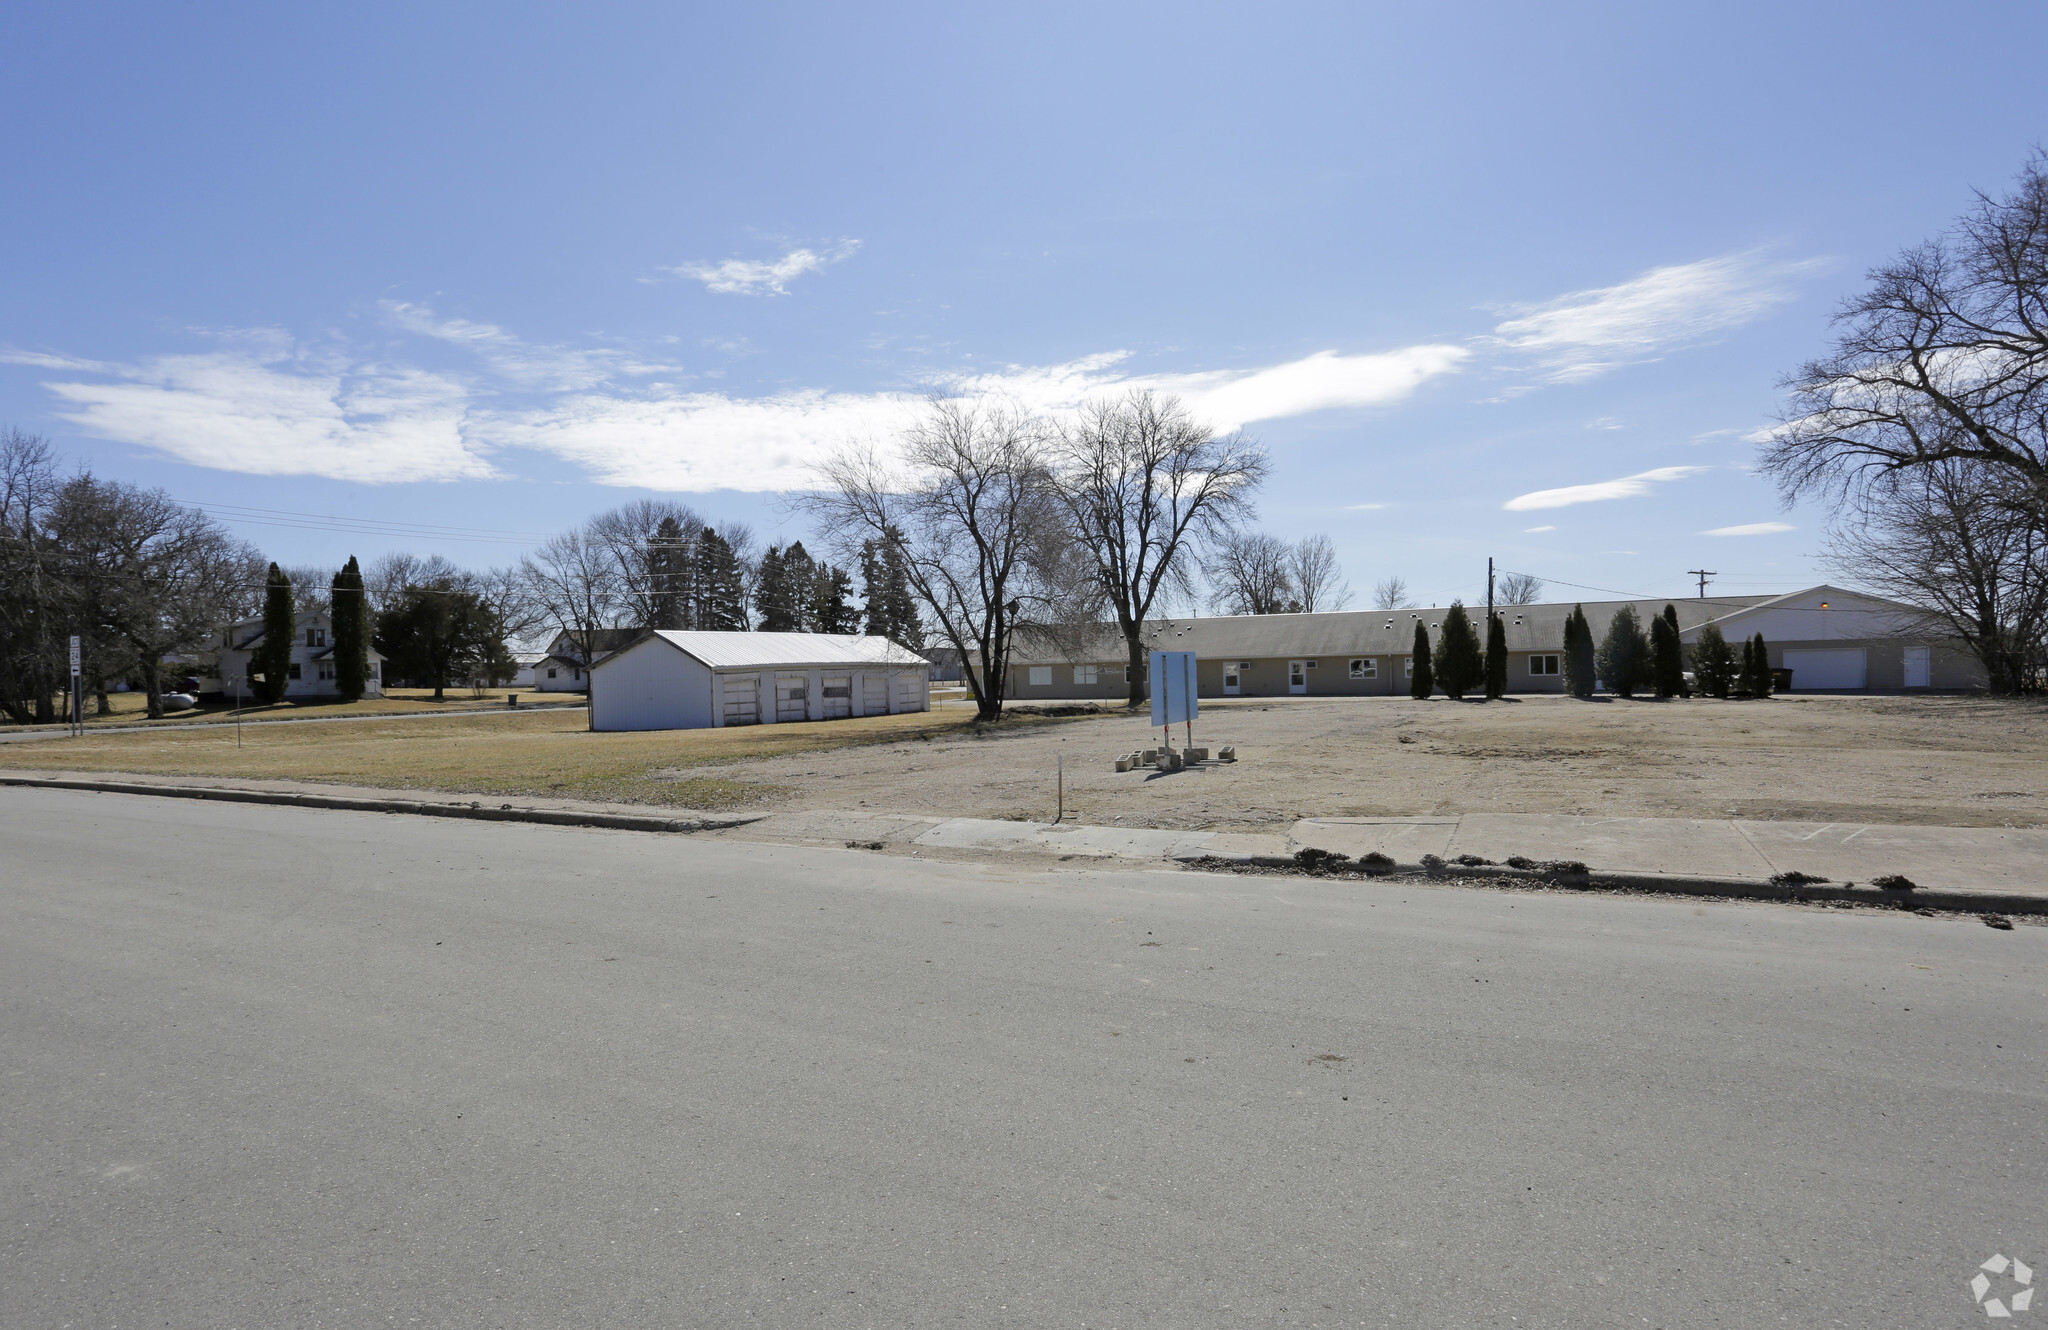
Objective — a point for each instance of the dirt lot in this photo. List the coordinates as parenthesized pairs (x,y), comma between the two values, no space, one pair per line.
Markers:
(1953,761)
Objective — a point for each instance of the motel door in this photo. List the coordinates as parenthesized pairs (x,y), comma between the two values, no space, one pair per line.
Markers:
(1297,676)
(1231,687)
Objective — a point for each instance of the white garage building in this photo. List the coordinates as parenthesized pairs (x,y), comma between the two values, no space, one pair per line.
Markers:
(670,680)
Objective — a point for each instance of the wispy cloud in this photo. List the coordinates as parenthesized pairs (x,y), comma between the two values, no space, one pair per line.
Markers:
(1363,507)
(1751,529)
(763,277)
(1579,336)
(549,368)
(1536,530)
(264,415)
(1628,487)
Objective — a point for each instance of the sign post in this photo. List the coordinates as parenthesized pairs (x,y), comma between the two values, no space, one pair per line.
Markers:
(77,689)
(1173,692)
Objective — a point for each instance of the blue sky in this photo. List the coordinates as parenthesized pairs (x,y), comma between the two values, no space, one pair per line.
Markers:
(1487,279)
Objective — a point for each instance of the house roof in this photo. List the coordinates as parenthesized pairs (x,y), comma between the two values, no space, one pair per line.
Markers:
(739,651)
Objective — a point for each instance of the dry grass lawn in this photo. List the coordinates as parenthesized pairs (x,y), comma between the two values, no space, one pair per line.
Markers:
(1956,761)
(133,709)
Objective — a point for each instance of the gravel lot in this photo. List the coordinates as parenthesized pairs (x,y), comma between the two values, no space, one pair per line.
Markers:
(1939,761)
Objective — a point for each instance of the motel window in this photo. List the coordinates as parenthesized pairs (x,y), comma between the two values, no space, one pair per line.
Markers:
(1408,667)
(1041,676)
(1543,664)
(1308,664)
(1084,674)
(1365,668)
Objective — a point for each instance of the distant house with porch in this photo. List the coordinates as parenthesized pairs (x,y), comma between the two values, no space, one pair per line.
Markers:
(311,674)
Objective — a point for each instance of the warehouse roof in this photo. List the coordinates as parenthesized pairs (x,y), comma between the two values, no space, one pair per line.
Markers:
(746,651)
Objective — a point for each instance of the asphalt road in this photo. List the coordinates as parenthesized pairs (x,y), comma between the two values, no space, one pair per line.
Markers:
(275,1067)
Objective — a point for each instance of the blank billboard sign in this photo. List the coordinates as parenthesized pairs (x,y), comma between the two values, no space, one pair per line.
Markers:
(1173,688)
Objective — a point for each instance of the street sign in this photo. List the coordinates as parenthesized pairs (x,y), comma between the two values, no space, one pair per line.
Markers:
(76,660)
(1173,688)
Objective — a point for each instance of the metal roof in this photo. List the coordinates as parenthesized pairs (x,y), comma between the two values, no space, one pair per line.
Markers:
(745,651)
(1352,632)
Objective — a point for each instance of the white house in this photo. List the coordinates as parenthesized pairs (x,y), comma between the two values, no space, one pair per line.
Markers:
(561,668)
(312,667)
(529,663)
(670,680)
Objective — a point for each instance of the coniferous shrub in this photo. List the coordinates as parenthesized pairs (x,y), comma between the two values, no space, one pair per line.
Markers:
(1496,658)
(273,657)
(1760,657)
(1460,664)
(351,611)
(1421,683)
(1624,654)
(1713,662)
(1679,686)
(1579,667)
(1667,659)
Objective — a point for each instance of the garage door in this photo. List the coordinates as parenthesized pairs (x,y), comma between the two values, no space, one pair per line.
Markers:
(835,694)
(792,697)
(874,694)
(1813,670)
(741,696)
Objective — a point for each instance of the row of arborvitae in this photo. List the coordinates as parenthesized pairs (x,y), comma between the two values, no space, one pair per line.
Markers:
(1627,661)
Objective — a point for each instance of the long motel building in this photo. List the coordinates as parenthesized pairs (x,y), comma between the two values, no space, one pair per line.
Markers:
(1831,639)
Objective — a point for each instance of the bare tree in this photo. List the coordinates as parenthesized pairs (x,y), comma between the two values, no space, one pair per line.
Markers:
(1944,356)
(31,652)
(970,488)
(388,577)
(1518,589)
(1944,538)
(312,588)
(1248,573)
(164,577)
(509,594)
(1391,594)
(1143,482)
(633,538)
(1318,580)
(573,583)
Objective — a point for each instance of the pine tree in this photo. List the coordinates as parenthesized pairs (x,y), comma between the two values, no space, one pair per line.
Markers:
(273,657)
(672,577)
(1713,662)
(771,594)
(351,611)
(906,628)
(1496,658)
(1421,683)
(1578,653)
(874,590)
(831,609)
(1460,665)
(1623,659)
(1759,682)
(722,595)
(1679,687)
(1667,663)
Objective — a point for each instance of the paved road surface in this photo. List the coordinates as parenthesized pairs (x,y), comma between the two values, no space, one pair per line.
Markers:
(274,1067)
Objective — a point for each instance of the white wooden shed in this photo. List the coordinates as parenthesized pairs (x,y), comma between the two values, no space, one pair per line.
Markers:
(671,680)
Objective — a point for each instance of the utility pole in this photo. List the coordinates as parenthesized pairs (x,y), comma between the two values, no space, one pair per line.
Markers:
(1703,574)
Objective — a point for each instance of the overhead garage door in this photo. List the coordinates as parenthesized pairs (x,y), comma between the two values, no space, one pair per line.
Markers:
(741,695)
(874,694)
(1820,670)
(835,696)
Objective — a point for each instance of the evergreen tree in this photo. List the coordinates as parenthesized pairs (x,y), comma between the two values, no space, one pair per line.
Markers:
(273,656)
(800,578)
(444,635)
(1460,665)
(1496,658)
(1421,683)
(771,593)
(1678,684)
(1624,655)
(831,608)
(906,629)
(672,577)
(1758,683)
(722,595)
(1578,654)
(351,611)
(874,590)
(1713,662)
(1745,673)
(1667,658)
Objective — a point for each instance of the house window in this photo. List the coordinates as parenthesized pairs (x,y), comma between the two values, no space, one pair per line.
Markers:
(1543,664)
(316,637)
(1041,676)
(1084,675)
(293,672)
(551,672)
(1365,668)
(327,671)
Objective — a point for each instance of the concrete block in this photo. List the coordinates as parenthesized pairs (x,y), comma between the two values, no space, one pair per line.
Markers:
(1227,753)
(1198,755)
(1123,764)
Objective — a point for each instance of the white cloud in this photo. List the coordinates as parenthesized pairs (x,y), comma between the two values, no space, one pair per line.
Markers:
(1628,487)
(248,412)
(758,277)
(1587,333)
(1536,530)
(1363,507)
(549,368)
(1751,529)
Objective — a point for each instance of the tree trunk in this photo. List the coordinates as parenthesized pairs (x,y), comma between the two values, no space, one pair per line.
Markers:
(1138,660)
(152,685)
(104,707)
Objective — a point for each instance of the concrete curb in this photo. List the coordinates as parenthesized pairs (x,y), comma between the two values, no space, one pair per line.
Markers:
(1677,884)
(554,817)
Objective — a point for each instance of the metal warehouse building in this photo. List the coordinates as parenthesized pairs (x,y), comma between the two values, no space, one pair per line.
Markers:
(670,680)
(1832,639)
